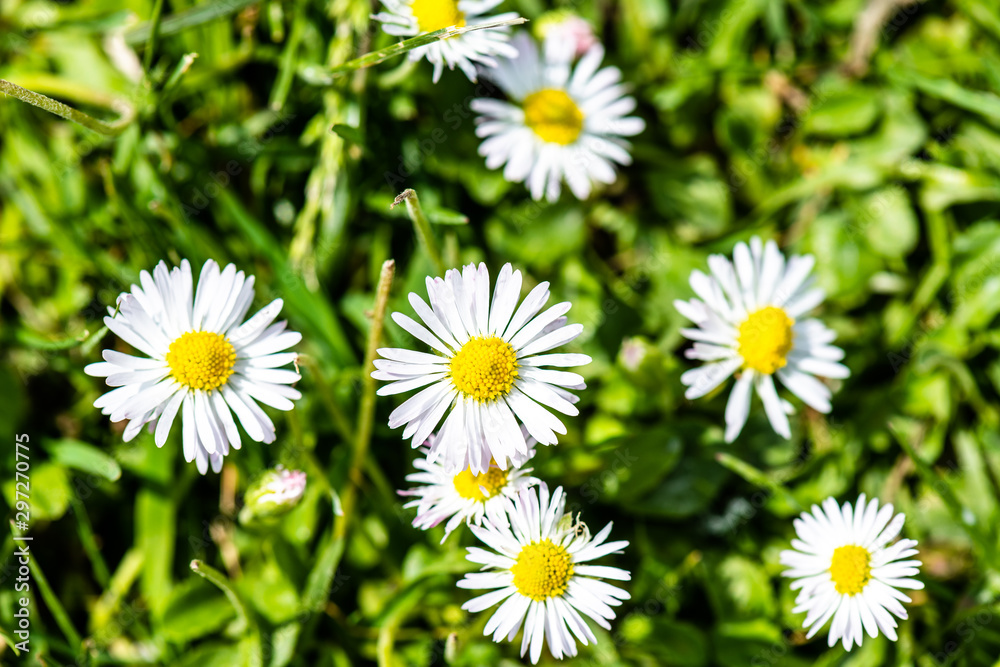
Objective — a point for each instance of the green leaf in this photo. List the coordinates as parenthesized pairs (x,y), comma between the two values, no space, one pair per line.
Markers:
(215,654)
(156,526)
(672,643)
(194,609)
(270,591)
(321,576)
(11,642)
(83,457)
(757,478)
(348,133)
(743,589)
(283,641)
(844,113)
(687,491)
(985,103)
(444,216)
(888,221)
(638,462)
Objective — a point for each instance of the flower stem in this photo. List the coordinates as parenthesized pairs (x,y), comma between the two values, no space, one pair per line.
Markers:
(55,606)
(182,68)
(89,543)
(181,21)
(154,28)
(321,578)
(366,411)
(215,577)
(126,110)
(422,226)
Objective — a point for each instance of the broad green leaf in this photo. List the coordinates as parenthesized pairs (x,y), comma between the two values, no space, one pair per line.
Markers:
(194,609)
(84,457)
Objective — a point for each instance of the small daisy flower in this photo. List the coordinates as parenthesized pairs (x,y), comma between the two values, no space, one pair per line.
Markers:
(487,373)
(749,323)
(846,570)
(202,360)
(538,569)
(563,122)
(409,18)
(463,495)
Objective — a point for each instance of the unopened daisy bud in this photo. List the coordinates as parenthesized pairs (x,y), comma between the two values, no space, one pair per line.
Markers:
(276,493)
(634,352)
(562,25)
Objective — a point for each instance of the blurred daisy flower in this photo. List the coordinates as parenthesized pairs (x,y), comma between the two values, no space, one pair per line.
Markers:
(563,122)
(749,323)
(845,570)
(203,361)
(536,565)
(486,373)
(463,496)
(409,18)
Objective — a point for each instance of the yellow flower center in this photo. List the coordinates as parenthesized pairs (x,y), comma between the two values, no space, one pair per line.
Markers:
(543,570)
(553,115)
(433,15)
(765,339)
(471,486)
(485,368)
(201,360)
(850,569)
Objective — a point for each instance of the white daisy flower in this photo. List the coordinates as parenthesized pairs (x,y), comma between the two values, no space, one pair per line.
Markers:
(463,496)
(845,569)
(202,360)
(563,123)
(487,369)
(409,18)
(537,566)
(748,323)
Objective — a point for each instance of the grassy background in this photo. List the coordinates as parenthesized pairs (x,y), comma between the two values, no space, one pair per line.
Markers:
(866,134)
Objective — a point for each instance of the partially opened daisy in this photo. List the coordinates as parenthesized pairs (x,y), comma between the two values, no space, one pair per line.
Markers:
(536,565)
(750,323)
(202,361)
(409,18)
(486,372)
(845,569)
(463,496)
(562,123)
